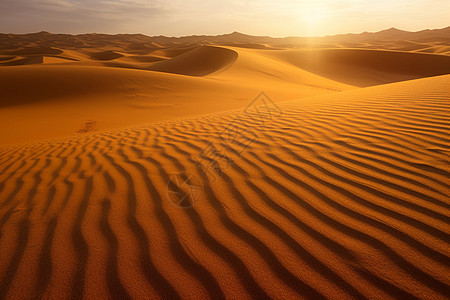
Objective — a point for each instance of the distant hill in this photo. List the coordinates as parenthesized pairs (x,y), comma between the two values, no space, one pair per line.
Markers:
(46,39)
(396,34)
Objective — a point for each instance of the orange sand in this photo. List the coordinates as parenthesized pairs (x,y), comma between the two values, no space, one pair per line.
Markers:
(341,192)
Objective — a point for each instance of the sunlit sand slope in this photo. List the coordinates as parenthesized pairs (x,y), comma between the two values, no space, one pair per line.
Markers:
(198,62)
(338,196)
(72,88)
(365,67)
(35,98)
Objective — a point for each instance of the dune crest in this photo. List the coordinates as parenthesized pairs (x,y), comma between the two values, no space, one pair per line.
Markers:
(106,55)
(201,61)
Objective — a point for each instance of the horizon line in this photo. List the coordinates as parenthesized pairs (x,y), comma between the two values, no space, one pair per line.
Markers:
(221,34)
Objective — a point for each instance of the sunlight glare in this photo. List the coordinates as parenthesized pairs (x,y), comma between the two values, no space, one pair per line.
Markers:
(314,18)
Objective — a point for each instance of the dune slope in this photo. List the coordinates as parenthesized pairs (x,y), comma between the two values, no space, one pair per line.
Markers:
(198,62)
(365,67)
(35,98)
(335,196)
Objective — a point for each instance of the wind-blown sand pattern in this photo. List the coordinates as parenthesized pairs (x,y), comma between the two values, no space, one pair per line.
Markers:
(341,195)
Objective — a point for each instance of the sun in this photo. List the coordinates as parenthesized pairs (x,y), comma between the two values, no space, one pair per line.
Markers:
(314,19)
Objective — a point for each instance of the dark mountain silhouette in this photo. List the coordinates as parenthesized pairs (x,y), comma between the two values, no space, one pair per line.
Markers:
(46,39)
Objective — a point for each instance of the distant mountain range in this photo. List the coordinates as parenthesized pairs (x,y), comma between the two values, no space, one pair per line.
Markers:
(46,39)
(396,34)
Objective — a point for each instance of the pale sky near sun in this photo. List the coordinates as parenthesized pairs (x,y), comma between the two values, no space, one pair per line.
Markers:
(188,17)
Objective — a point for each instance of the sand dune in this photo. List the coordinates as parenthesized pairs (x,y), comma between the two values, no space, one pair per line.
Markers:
(73,93)
(440,49)
(343,195)
(20,61)
(143,48)
(144,58)
(367,67)
(34,51)
(4,58)
(56,60)
(198,62)
(144,167)
(330,57)
(106,55)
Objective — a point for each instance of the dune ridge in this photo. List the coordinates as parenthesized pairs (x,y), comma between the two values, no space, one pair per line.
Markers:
(339,195)
(201,61)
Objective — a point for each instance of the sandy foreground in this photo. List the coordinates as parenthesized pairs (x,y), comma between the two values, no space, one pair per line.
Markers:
(224,172)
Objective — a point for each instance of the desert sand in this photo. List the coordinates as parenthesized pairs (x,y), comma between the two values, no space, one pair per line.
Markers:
(225,167)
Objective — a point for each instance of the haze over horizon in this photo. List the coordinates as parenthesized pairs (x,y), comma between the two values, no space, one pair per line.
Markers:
(184,18)
(226,33)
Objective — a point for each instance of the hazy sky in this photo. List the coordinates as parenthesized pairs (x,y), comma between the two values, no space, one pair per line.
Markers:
(263,17)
